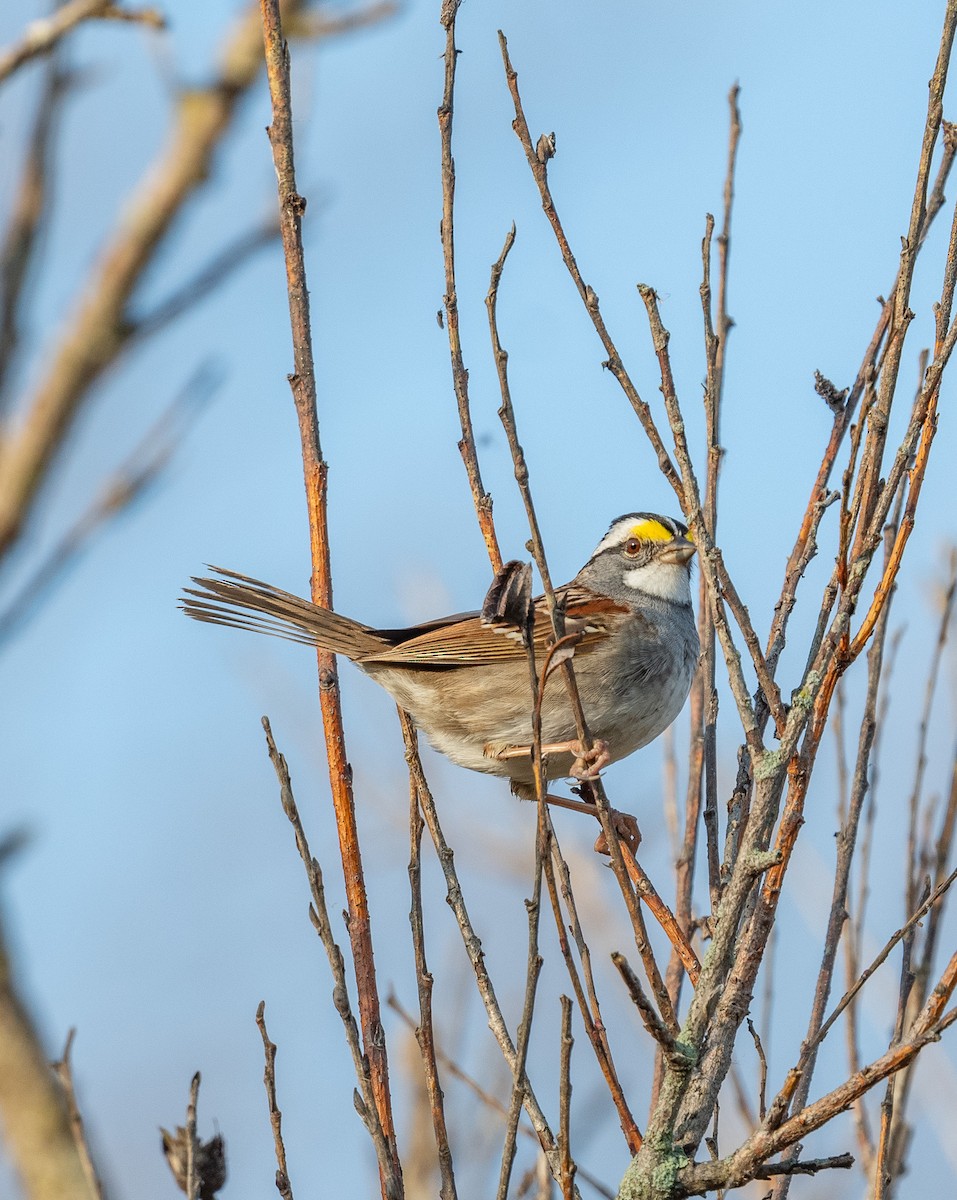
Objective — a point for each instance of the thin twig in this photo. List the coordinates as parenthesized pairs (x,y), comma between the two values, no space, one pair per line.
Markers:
(192,1142)
(142,469)
(763,1076)
(807,1166)
(649,1017)
(556,871)
(425,1029)
(532,972)
(29,216)
(41,36)
(472,942)
(315,471)
(64,1072)
(565,1101)
(538,157)
(283,1186)
(486,1098)
(319,915)
(480,498)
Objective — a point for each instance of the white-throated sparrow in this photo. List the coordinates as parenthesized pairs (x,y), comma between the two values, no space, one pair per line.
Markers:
(465,680)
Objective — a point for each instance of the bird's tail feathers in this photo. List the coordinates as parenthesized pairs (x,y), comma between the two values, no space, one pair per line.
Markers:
(244,603)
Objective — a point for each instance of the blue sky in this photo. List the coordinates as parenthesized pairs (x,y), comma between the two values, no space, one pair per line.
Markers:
(160,898)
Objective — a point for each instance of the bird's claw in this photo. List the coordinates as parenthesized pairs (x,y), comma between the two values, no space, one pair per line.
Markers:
(626,827)
(590,763)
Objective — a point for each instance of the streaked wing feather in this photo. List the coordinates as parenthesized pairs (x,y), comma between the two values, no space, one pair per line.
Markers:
(469,641)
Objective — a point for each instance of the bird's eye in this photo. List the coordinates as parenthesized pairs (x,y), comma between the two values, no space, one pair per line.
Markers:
(632,547)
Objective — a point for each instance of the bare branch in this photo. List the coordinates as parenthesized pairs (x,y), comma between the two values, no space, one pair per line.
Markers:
(425,1030)
(64,1072)
(565,1102)
(315,472)
(473,944)
(480,498)
(142,469)
(538,164)
(38,1131)
(319,915)
(532,972)
(283,1186)
(28,219)
(42,36)
(100,326)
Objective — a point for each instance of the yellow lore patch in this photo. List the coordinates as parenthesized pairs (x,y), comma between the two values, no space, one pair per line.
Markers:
(651,531)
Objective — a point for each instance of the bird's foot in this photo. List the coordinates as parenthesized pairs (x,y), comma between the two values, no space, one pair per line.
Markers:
(589,763)
(625,826)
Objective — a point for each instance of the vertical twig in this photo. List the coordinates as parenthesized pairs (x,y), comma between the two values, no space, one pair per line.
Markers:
(913,882)
(623,864)
(883,1172)
(192,1180)
(846,846)
(472,942)
(460,378)
(303,384)
(64,1072)
(565,1101)
(23,235)
(283,1186)
(365,1100)
(425,1030)
(556,871)
(532,971)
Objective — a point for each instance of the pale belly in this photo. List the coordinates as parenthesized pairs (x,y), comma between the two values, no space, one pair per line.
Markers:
(470,722)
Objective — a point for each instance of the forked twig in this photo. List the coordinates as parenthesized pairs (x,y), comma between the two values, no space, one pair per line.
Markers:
(64,1072)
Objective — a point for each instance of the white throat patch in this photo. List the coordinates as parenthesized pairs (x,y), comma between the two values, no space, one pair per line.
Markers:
(667,580)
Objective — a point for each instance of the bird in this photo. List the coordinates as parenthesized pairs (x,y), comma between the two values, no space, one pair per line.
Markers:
(465,681)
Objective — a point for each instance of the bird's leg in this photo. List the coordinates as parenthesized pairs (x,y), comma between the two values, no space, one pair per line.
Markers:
(587,765)
(624,824)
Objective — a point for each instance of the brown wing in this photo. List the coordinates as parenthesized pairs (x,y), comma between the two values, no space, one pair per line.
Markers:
(470,641)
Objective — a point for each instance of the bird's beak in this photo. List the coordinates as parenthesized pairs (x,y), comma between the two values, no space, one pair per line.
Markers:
(678,551)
